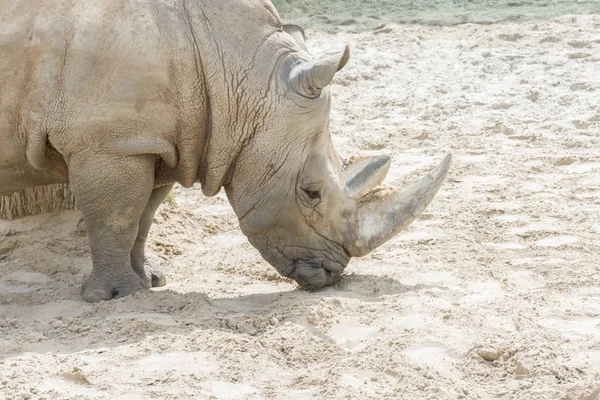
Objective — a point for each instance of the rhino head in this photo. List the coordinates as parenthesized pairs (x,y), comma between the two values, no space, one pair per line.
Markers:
(298,205)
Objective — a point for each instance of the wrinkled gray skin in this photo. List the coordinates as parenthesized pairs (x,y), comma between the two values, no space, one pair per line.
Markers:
(124,98)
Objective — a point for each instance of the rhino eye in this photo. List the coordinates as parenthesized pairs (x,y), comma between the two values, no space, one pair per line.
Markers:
(313,194)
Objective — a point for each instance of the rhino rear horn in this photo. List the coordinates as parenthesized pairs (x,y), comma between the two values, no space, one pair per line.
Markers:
(309,78)
(363,175)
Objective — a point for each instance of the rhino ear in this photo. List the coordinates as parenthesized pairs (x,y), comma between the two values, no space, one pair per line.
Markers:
(308,79)
(298,34)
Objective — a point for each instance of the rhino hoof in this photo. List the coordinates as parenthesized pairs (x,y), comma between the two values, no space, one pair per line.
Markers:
(154,278)
(96,289)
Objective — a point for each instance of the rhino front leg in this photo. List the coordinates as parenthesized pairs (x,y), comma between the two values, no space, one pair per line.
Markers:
(151,277)
(112,192)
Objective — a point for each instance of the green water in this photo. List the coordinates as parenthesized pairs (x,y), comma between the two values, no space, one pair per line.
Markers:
(368,14)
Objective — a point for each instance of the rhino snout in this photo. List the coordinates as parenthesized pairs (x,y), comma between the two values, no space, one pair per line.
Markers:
(309,267)
(314,274)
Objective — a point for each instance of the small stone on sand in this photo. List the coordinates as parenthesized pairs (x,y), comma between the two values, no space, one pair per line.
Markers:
(488,354)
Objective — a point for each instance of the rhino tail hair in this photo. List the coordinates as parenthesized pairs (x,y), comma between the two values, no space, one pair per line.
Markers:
(36,200)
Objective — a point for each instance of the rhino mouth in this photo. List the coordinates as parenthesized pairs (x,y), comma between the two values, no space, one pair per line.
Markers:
(313,273)
(310,268)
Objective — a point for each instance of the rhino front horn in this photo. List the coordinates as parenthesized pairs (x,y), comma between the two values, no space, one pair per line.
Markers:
(380,221)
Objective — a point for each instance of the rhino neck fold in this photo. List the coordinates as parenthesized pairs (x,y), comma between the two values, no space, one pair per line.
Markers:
(235,69)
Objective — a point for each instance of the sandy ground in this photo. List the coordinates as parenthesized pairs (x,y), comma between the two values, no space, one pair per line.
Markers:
(355,15)
(493,293)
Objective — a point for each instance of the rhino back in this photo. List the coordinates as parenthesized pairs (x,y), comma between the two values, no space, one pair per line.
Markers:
(81,75)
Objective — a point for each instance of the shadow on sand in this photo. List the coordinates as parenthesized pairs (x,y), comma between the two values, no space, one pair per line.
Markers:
(71,325)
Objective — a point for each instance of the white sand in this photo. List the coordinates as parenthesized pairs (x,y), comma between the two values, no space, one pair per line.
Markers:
(504,263)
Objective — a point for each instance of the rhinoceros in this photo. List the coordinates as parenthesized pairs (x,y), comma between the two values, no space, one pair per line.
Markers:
(122,99)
